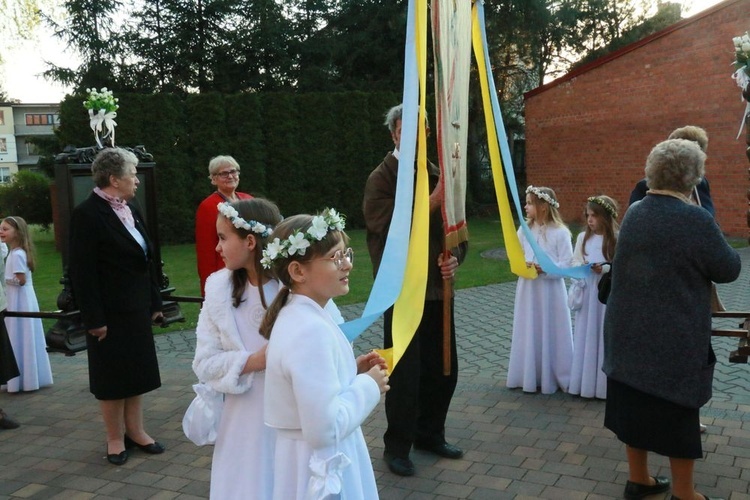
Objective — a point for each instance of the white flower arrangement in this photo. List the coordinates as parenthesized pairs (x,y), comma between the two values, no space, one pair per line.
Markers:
(741,73)
(542,196)
(233,215)
(603,203)
(102,107)
(299,242)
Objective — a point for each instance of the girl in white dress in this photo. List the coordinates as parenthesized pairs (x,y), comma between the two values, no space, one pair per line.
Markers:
(230,353)
(26,334)
(541,349)
(317,394)
(595,246)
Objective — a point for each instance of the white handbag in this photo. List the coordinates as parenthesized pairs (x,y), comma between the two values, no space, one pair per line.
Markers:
(201,421)
(575,294)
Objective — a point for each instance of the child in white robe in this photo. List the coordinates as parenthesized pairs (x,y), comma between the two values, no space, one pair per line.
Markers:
(541,349)
(317,394)
(595,246)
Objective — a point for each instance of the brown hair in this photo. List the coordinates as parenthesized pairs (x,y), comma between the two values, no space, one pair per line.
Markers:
(24,238)
(611,227)
(553,214)
(280,266)
(266,213)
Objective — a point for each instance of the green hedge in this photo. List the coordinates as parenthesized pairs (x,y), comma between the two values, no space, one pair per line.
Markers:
(303,151)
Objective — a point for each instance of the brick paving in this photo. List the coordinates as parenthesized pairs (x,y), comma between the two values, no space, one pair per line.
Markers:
(517,445)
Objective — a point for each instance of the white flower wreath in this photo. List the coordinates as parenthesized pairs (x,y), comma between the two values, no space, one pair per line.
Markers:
(298,242)
(233,215)
(542,196)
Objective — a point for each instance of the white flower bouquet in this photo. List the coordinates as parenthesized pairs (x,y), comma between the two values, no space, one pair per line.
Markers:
(741,73)
(102,107)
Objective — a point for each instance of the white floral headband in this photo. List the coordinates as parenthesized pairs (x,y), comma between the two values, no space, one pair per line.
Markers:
(297,243)
(606,206)
(542,196)
(233,215)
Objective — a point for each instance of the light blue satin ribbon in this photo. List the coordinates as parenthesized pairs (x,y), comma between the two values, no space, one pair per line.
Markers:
(548,266)
(390,277)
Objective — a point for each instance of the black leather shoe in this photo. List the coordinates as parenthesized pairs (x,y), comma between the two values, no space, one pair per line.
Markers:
(444,450)
(635,490)
(6,422)
(154,448)
(399,466)
(118,458)
(704,496)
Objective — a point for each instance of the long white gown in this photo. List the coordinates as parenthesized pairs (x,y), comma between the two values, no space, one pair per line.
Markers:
(317,402)
(541,349)
(586,377)
(26,334)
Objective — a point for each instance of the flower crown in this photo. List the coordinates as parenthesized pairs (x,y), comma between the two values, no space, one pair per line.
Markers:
(297,242)
(542,196)
(606,206)
(233,215)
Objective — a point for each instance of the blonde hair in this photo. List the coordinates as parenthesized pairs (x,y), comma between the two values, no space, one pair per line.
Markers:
(676,165)
(552,214)
(280,265)
(24,238)
(219,161)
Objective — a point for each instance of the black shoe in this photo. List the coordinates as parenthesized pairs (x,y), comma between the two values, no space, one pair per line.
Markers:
(118,458)
(672,497)
(444,450)
(635,490)
(6,422)
(398,465)
(154,448)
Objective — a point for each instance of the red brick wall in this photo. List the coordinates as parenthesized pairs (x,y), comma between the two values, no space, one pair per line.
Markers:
(591,134)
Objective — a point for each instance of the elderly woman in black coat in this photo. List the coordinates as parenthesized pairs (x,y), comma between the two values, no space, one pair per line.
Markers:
(657,328)
(115,287)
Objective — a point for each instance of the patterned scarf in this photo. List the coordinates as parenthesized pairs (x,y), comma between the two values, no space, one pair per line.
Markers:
(120,207)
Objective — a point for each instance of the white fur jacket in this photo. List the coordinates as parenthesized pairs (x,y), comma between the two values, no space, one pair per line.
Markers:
(220,354)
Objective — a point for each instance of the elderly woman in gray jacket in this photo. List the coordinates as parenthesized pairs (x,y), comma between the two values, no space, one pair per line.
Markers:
(657,329)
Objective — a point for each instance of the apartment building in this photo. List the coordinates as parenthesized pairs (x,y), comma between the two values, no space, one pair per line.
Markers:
(20,122)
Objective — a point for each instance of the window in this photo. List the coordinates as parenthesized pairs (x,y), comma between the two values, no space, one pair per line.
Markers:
(3,145)
(32,149)
(4,175)
(33,119)
(2,117)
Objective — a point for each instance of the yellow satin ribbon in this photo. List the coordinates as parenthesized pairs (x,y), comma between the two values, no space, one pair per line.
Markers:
(510,236)
(407,311)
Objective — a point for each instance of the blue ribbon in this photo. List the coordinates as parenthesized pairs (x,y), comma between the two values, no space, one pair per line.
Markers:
(388,282)
(548,266)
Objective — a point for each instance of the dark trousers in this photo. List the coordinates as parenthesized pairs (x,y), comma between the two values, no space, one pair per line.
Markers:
(417,404)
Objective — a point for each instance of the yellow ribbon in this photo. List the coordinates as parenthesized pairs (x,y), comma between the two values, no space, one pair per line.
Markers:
(510,236)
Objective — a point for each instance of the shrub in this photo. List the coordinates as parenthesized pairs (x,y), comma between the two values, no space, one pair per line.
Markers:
(28,196)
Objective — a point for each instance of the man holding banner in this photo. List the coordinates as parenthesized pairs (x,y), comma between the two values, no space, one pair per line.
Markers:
(417,404)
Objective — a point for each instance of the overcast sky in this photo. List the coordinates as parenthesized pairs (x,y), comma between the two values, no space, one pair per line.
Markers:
(26,61)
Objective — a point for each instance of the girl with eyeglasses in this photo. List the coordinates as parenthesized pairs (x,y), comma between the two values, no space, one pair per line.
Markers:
(317,393)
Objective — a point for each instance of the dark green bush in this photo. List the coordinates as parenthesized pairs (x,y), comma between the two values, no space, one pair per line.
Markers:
(29,197)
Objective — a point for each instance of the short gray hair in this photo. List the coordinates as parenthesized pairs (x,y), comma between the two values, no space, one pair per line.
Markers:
(691,133)
(395,114)
(111,161)
(219,161)
(676,165)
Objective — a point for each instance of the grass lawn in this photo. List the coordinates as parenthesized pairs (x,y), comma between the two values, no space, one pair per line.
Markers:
(179,266)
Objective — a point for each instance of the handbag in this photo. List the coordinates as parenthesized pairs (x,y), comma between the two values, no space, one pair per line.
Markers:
(605,285)
(201,421)
(575,294)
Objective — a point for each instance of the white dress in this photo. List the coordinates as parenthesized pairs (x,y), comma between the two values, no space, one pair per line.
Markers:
(586,377)
(26,334)
(541,349)
(316,402)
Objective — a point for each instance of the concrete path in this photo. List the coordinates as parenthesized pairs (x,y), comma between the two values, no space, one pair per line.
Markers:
(517,445)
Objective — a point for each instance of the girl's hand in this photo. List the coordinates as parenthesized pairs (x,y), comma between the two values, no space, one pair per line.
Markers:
(538,268)
(367,361)
(99,333)
(256,361)
(380,376)
(597,268)
(157,317)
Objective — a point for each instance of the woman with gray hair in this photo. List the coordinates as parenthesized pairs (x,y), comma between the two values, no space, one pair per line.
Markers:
(113,273)
(657,328)
(224,172)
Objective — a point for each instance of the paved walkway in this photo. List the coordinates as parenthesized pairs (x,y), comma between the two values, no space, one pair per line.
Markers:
(517,445)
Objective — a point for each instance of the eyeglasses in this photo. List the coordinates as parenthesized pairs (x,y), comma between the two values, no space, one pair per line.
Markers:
(338,257)
(228,173)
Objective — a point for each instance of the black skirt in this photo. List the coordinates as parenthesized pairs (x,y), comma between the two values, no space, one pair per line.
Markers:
(8,365)
(124,364)
(650,423)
